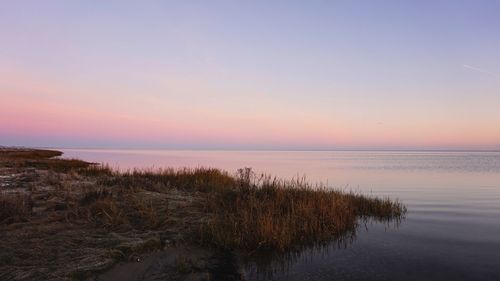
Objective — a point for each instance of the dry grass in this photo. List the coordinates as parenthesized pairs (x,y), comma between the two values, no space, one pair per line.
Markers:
(103,212)
(124,209)
(202,205)
(245,211)
(15,208)
(196,179)
(145,212)
(249,211)
(58,165)
(38,158)
(24,153)
(266,213)
(95,170)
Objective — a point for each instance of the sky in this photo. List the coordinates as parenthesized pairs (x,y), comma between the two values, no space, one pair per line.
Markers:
(250,74)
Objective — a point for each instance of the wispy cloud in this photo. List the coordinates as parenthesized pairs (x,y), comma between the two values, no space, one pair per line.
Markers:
(484,71)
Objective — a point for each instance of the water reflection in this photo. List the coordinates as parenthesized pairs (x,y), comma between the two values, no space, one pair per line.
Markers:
(269,265)
(451,230)
(265,265)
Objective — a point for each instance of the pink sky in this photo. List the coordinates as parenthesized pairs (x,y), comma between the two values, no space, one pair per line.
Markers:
(40,108)
(199,77)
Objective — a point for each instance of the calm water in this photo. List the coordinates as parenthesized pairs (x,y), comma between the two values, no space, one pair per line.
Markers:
(451,232)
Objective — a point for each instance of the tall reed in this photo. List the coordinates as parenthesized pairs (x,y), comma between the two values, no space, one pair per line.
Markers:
(268,213)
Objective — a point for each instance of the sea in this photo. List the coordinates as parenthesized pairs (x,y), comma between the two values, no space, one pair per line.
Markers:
(450,232)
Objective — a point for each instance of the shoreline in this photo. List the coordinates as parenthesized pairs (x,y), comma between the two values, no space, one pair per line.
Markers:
(93,223)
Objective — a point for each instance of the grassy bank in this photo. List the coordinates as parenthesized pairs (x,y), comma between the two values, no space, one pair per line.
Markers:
(267,213)
(248,211)
(54,202)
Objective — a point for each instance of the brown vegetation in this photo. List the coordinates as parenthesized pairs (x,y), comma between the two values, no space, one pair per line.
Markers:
(250,212)
(26,153)
(71,203)
(15,208)
(38,158)
(267,213)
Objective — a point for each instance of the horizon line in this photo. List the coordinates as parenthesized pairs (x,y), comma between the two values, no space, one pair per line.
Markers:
(284,150)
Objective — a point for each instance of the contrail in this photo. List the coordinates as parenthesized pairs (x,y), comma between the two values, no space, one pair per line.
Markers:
(496,75)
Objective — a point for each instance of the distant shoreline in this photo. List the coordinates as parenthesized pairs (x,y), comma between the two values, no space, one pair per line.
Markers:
(279,150)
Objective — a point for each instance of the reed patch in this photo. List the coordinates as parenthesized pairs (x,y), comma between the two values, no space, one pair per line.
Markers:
(268,213)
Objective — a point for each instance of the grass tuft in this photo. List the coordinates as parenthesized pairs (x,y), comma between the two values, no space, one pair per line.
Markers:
(15,208)
(188,179)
